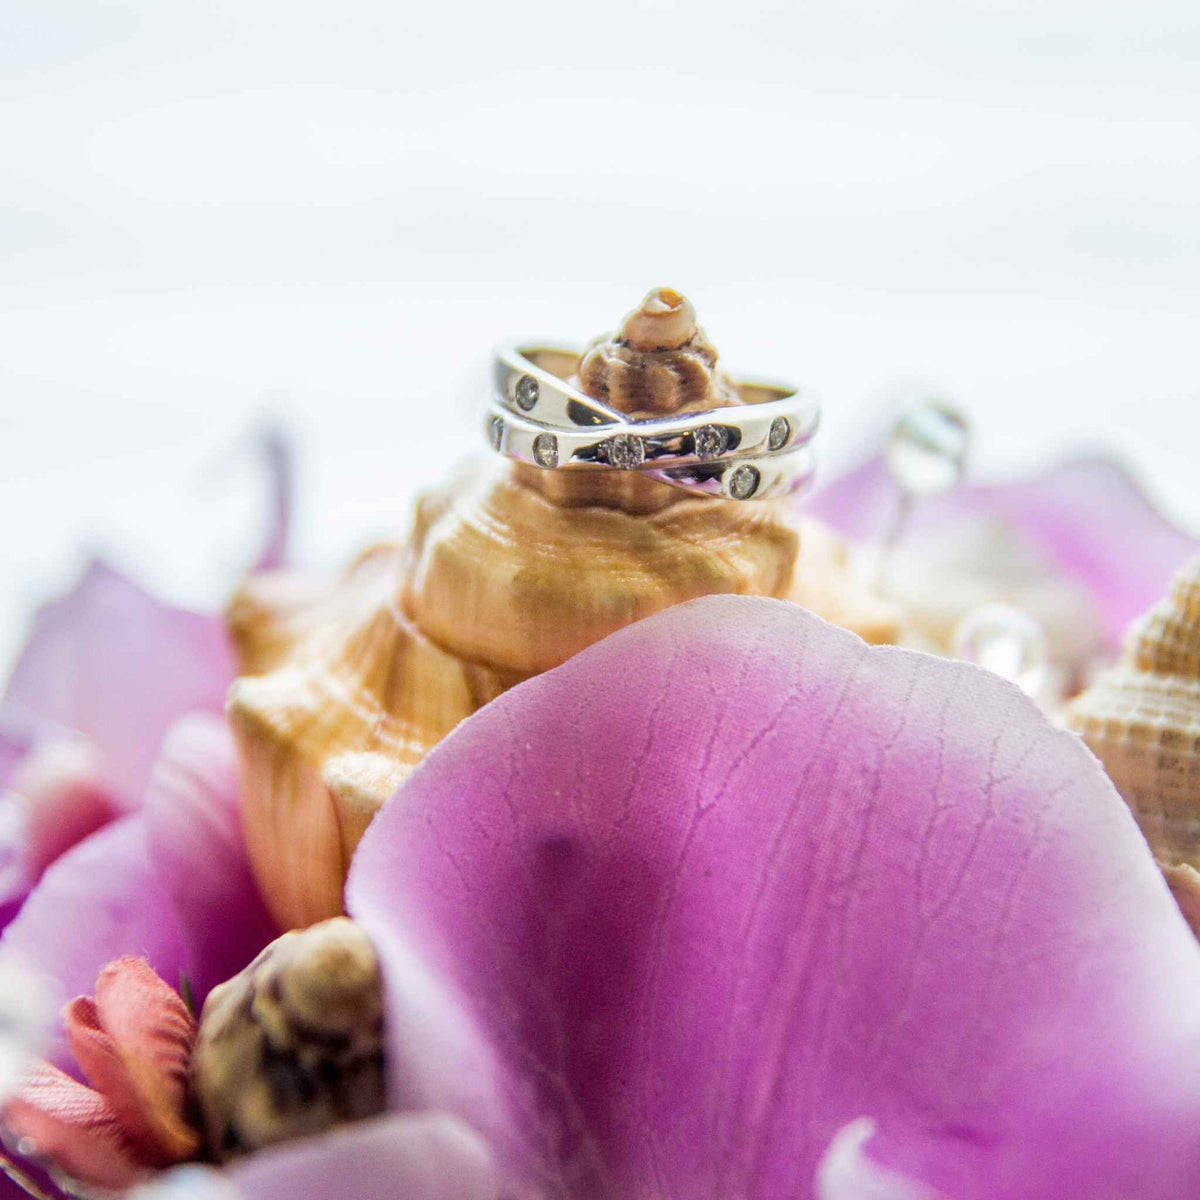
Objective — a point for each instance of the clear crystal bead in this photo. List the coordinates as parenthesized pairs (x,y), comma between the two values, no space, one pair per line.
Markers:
(711,441)
(545,450)
(743,483)
(927,450)
(527,392)
(1005,640)
(625,451)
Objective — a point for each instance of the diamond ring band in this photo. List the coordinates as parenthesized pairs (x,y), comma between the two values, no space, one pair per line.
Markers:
(750,451)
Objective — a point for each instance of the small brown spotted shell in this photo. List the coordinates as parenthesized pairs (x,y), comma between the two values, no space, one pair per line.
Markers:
(293,1044)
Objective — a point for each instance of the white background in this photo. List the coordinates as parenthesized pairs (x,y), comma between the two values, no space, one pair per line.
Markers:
(218,209)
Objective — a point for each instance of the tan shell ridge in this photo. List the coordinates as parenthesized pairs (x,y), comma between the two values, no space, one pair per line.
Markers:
(1142,720)
(508,571)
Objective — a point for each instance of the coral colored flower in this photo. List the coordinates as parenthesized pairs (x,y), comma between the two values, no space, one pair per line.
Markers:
(132,1043)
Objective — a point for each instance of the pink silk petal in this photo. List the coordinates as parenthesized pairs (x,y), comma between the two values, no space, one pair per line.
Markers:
(18,735)
(113,663)
(58,800)
(194,830)
(152,1034)
(72,1125)
(100,901)
(424,1156)
(664,920)
(1087,516)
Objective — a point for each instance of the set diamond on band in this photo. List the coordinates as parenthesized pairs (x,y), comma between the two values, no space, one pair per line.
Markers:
(750,451)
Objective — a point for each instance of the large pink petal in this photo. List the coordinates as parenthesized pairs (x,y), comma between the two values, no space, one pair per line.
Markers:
(193,826)
(100,901)
(664,920)
(110,661)
(1087,516)
(417,1157)
(425,1156)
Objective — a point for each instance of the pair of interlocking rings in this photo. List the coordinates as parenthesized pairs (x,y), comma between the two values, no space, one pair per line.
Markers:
(750,451)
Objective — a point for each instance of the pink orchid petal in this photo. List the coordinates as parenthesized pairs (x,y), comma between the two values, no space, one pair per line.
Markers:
(664,920)
(100,901)
(17,738)
(1087,516)
(72,1125)
(418,1157)
(54,799)
(113,663)
(193,826)
(846,1172)
(152,1033)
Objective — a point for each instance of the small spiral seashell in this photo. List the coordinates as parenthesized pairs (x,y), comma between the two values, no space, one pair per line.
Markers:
(293,1044)
(1142,720)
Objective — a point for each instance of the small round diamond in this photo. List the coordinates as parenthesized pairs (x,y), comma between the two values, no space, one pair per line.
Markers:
(625,451)
(545,450)
(495,432)
(780,432)
(711,441)
(527,392)
(743,483)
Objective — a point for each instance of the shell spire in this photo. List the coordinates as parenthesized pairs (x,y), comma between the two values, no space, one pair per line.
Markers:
(1166,641)
(658,362)
(1142,720)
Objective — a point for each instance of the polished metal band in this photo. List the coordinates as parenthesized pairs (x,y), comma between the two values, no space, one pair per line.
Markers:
(750,451)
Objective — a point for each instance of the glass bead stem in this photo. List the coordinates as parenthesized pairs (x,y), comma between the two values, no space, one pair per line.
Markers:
(899,521)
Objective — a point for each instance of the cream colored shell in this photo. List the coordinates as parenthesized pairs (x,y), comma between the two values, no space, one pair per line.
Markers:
(1142,720)
(508,572)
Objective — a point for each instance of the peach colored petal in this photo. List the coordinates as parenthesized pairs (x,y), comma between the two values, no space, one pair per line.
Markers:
(152,1033)
(103,1068)
(73,1125)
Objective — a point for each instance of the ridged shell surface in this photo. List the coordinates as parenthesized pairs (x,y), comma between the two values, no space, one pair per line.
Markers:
(1142,720)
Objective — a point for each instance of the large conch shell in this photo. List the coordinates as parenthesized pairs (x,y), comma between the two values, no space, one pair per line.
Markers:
(1142,720)
(508,571)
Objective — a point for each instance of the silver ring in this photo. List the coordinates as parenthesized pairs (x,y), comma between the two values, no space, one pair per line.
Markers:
(750,451)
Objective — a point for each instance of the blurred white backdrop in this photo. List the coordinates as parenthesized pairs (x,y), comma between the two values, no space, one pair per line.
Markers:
(219,209)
